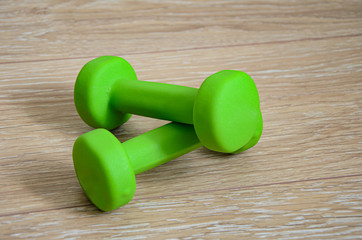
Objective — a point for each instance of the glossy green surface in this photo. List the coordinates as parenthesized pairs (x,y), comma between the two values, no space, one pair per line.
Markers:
(226,111)
(103,169)
(255,138)
(156,100)
(106,168)
(92,91)
(161,145)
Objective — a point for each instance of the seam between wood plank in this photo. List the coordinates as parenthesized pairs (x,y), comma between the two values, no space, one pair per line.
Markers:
(196,192)
(190,49)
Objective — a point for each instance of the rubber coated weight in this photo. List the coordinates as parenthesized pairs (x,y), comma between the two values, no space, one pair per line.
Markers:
(106,168)
(225,110)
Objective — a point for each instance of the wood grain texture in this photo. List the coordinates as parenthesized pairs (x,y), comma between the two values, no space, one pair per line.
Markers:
(318,209)
(79,29)
(302,180)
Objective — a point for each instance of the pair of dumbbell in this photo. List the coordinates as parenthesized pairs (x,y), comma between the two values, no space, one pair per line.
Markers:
(222,115)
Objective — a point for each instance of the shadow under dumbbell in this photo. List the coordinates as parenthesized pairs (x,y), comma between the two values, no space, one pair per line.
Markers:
(50,125)
(181,175)
(50,106)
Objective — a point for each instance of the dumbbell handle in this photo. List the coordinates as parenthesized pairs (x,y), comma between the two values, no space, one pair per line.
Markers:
(156,100)
(160,145)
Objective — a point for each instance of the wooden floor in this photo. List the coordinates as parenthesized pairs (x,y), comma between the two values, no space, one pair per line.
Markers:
(302,181)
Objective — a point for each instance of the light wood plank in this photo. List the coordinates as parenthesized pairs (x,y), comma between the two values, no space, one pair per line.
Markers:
(35,30)
(321,209)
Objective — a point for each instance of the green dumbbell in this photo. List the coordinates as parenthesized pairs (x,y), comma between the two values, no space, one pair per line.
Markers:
(106,168)
(224,110)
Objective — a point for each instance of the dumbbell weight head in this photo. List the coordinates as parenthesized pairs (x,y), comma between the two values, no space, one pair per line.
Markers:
(93,91)
(226,110)
(103,169)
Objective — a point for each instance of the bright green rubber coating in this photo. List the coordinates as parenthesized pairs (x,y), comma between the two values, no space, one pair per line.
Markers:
(154,99)
(255,138)
(92,91)
(106,168)
(161,145)
(225,110)
(103,169)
